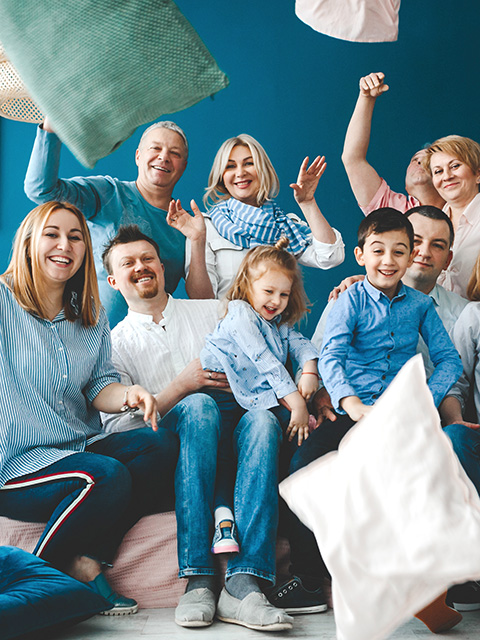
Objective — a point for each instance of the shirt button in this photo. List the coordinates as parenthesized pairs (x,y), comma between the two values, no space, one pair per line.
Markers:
(60,348)
(60,402)
(374,397)
(383,377)
(388,357)
(65,376)
(392,333)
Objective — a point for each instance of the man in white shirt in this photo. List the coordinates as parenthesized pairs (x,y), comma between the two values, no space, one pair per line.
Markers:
(159,342)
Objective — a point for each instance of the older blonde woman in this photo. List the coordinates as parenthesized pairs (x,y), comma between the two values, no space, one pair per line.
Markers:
(454,164)
(241,187)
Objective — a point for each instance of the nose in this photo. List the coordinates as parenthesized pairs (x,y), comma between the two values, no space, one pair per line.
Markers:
(423,249)
(63,243)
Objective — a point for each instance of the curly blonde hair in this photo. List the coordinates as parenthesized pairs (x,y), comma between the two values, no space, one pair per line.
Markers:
(259,260)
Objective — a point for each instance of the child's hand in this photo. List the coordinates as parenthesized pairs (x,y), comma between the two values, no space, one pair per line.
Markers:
(299,424)
(355,407)
(308,385)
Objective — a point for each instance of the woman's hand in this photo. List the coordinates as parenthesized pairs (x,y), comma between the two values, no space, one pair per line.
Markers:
(307,181)
(372,86)
(192,227)
(138,397)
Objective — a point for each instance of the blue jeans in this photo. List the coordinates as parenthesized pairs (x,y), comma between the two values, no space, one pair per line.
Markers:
(254,438)
(90,499)
(466,444)
(196,421)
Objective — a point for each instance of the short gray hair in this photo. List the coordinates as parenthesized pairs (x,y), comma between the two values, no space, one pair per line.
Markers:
(166,124)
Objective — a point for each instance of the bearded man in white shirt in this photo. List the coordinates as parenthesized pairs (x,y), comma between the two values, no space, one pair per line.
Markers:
(159,342)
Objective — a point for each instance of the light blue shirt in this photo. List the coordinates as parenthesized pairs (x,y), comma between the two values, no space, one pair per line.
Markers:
(106,203)
(368,338)
(252,352)
(50,372)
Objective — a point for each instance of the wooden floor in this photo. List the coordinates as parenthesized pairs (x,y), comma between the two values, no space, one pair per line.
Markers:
(158,624)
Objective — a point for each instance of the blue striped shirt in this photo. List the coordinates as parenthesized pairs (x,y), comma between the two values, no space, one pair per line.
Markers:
(50,372)
(252,352)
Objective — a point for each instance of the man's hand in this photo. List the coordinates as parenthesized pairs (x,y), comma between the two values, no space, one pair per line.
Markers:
(343,286)
(308,177)
(372,86)
(192,227)
(195,378)
(322,407)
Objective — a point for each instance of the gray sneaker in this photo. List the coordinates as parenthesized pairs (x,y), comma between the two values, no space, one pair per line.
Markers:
(196,608)
(254,612)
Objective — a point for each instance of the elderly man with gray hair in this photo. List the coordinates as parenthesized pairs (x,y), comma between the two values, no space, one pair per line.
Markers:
(108,203)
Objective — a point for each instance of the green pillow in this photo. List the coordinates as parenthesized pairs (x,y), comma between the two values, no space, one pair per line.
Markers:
(99,69)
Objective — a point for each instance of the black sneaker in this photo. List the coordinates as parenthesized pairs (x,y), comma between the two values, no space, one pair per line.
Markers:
(464,597)
(295,599)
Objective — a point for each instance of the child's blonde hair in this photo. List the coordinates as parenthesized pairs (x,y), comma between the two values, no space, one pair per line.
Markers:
(473,288)
(256,262)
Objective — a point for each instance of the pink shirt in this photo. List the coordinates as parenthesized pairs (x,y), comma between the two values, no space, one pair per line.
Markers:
(385,197)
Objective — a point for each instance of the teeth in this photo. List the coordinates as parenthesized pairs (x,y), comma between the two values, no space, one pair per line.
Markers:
(145,279)
(61,260)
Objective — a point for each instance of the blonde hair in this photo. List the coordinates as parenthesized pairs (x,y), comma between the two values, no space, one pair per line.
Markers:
(268,179)
(24,273)
(256,262)
(473,288)
(464,149)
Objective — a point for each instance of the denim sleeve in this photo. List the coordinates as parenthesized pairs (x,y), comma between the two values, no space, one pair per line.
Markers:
(337,338)
(444,356)
(42,183)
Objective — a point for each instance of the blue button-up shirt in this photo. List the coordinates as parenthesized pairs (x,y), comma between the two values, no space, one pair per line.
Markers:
(50,372)
(252,352)
(368,338)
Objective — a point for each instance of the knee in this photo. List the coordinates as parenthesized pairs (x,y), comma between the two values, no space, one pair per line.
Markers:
(112,473)
(261,428)
(199,417)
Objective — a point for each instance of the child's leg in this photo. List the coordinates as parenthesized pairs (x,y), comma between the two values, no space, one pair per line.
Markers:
(224,540)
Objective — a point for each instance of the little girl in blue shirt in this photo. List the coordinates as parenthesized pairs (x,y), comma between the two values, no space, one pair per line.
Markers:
(251,345)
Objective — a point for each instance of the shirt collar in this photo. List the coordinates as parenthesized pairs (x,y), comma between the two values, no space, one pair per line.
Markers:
(146,319)
(376,294)
(434,295)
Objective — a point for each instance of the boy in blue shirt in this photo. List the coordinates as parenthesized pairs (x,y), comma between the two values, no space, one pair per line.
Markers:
(371,332)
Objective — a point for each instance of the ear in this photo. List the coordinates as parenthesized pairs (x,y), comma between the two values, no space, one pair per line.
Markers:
(359,256)
(412,257)
(112,282)
(137,156)
(448,260)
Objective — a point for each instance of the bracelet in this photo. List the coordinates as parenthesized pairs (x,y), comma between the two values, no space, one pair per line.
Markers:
(125,408)
(311,373)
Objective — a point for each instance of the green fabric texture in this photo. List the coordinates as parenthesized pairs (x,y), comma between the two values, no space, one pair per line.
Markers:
(101,68)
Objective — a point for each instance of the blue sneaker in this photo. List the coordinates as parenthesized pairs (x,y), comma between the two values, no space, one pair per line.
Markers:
(122,606)
(224,538)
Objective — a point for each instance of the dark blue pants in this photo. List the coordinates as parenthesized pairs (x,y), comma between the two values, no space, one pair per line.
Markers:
(90,499)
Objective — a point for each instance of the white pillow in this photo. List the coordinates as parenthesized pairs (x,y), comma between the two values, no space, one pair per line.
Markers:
(394,514)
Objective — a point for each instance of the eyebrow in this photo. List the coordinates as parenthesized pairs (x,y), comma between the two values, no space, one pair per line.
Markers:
(243,159)
(53,226)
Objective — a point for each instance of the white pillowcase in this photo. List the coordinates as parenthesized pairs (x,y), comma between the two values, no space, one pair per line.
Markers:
(395,516)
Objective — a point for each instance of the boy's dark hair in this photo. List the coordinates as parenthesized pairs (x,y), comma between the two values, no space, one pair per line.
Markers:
(383,220)
(434,213)
(126,233)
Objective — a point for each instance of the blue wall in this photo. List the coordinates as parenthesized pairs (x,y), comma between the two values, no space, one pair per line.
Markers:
(294,90)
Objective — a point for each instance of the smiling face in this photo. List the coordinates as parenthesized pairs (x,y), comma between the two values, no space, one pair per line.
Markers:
(385,256)
(60,248)
(137,272)
(269,293)
(240,176)
(433,254)
(161,159)
(453,179)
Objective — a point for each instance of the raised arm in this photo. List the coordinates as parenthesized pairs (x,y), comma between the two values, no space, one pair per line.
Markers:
(364,180)
(197,283)
(42,183)
(304,191)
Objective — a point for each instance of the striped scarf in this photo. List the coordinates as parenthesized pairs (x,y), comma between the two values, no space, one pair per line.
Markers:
(248,226)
